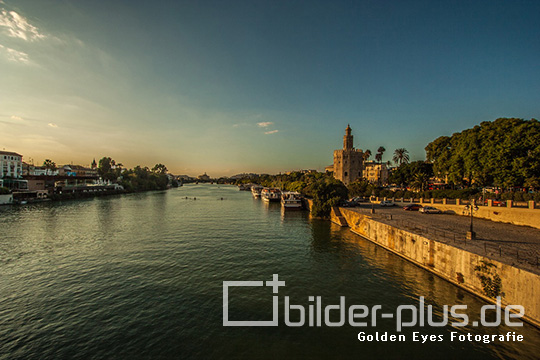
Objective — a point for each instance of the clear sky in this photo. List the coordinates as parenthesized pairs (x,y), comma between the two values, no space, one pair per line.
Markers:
(257,86)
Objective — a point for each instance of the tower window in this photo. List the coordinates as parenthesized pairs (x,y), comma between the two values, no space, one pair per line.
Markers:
(345,173)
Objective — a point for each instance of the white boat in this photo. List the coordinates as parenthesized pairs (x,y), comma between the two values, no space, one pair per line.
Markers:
(270,194)
(256,191)
(291,200)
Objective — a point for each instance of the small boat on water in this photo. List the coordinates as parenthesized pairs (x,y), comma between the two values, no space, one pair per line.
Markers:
(256,191)
(244,187)
(291,200)
(270,194)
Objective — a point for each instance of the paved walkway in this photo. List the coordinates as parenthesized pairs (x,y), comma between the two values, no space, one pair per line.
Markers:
(511,244)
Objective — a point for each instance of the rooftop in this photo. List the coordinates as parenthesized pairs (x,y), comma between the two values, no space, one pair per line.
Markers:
(9,153)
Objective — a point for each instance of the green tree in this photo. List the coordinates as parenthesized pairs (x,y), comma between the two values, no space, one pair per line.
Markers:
(502,153)
(107,169)
(406,174)
(326,193)
(401,156)
(160,169)
(50,166)
(379,155)
(367,154)
(360,188)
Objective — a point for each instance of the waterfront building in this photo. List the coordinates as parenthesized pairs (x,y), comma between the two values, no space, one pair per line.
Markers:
(11,165)
(185,178)
(77,170)
(348,162)
(204,177)
(376,173)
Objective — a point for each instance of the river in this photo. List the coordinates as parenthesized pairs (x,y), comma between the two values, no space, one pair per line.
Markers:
(140,276)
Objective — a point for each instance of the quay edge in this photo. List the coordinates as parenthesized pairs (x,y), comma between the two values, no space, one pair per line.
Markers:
(460,267)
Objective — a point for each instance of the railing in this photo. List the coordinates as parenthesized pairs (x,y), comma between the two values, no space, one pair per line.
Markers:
(493,203)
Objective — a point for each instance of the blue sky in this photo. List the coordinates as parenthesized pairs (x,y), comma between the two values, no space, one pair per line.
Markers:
(257,86)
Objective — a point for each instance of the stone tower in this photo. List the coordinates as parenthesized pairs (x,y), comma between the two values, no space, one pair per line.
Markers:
(348,162)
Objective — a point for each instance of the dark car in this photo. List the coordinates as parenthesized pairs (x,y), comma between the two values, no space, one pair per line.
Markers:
(412,207)
(346,203)
(496,203)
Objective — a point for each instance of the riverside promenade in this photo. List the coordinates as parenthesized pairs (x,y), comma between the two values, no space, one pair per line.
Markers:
(501,264)
(514,245)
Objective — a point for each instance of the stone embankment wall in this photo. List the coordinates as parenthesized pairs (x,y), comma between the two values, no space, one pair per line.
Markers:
(482,276)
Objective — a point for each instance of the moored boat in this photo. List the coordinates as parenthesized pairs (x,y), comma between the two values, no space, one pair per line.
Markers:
(256,191)
(291,200)
(244,187)
(270,194)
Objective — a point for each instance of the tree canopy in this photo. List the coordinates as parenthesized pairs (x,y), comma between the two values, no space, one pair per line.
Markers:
(415,175)
(505,153)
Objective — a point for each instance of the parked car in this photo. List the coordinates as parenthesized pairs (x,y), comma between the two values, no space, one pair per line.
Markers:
(358,199)
(412,207)
(387,203)
(496,203)
(348,203)
(430,210)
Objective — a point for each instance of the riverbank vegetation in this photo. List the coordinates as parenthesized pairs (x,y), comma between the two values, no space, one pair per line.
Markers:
(503,153)
(137,179)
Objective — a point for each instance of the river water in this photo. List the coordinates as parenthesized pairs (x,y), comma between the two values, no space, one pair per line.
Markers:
(141,276)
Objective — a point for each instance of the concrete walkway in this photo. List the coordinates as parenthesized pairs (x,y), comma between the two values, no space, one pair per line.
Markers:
(511,244)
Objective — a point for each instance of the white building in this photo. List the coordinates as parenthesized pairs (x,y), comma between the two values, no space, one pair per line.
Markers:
(10,165)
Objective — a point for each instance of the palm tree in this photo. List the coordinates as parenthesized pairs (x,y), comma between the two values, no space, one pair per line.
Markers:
(367,154)
(380,152)
(401,156)
(421,179)
(50,166)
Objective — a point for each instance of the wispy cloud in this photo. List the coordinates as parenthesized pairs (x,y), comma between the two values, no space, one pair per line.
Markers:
(271,132)
(17,26)
(265,123)
(18,118)
(14,55)
(52,125)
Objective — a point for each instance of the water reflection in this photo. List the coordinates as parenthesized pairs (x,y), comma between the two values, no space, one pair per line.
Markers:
(140,276)
(416,282)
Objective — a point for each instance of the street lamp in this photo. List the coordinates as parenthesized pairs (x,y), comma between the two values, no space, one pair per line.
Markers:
(371,201)
(471,235)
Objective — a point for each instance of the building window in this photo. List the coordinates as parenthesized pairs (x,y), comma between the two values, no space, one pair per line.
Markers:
(345,173)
